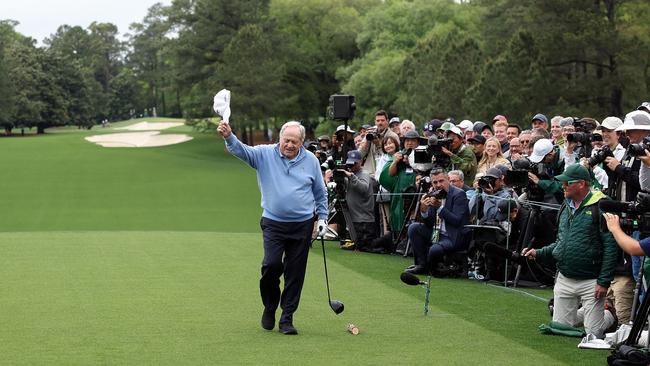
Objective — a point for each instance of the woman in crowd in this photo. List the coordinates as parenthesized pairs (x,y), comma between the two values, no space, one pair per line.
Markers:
(492,156)
(389,145)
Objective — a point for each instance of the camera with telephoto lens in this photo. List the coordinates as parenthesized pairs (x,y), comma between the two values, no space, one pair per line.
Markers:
(600,156)
(640,148)
(487,182)
(437,194)
(428,155)
(637,215)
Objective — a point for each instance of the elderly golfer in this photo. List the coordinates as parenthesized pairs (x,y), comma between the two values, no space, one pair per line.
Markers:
(293,191)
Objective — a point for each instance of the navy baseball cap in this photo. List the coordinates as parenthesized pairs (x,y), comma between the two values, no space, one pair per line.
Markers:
(353,156)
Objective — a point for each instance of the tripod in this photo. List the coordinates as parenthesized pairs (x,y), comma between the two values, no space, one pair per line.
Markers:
(414,205)
(340,205)
(527,238)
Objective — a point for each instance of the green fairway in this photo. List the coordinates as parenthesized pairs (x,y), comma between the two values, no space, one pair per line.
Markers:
(151,256)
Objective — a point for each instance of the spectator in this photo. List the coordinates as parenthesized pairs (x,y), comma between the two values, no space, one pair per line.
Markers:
(541,133)
(500,128)
(478,146)
(492,156)
(395,126)
(450,213)
(539,121)
(466,128)
(512,131)
(524,138)
(585,256)
(556,131)
(396,177)
(480,128)
(515,152)
(462,157)
(457,179)
(406,126)
(498,118)
(430,128)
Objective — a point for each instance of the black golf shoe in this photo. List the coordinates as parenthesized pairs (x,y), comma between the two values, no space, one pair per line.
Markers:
(288,329)
(268,319)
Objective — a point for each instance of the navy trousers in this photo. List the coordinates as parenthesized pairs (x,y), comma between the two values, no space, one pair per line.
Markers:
(286,247)
(425,252)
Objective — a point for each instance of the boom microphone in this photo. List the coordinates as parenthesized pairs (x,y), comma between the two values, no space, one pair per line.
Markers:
(411,279)
(615,206)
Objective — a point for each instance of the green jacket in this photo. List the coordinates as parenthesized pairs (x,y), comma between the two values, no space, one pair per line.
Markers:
(396,184)
(581,250)
(551,186)
(464,160)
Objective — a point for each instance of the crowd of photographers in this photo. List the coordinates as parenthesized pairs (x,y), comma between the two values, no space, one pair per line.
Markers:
(455,195)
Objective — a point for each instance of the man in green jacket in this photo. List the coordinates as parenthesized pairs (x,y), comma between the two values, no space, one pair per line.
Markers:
(584,254)
(462,157)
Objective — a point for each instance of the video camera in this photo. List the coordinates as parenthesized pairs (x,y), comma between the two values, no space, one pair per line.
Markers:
(517,178)
(427,157)
(637,215)
(583,137)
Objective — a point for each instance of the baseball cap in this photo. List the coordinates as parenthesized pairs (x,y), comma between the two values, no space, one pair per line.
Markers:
(465,124)
(393,120)
(480,126)
(541,148)
(342,128)
(478,138)
(365,127)
(504,207)
(446,126)
(323,138)
(574,172)
(636,120)
(411,135)
(353,156)
(502,168)
(644,106)
(493,172)
(499,117)
(540,117)
(455,130)
(611,123)
(567,121)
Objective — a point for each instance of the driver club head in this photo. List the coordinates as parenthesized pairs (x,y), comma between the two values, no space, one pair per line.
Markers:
(337,306)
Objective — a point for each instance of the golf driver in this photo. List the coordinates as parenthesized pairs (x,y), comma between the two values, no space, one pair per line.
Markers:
(336,305)
(413,280)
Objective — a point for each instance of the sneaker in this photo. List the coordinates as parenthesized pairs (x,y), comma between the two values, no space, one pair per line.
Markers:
(347,245)
(288,329)
(268,319)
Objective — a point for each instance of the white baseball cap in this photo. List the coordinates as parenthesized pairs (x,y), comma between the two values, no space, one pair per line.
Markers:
(541,148)
(465,124)
(611,123)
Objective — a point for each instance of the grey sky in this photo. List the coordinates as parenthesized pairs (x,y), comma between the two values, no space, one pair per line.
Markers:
(40,18)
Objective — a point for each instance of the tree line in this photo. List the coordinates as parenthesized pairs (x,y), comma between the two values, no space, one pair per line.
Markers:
(282,59)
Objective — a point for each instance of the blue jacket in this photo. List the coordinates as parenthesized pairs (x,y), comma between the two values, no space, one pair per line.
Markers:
(292,190)
(455,213)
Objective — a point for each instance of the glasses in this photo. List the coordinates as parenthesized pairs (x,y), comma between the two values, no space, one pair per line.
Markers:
(524,142)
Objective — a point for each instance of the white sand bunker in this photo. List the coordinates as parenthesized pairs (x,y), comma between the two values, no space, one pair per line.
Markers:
(138,139)
(150,126)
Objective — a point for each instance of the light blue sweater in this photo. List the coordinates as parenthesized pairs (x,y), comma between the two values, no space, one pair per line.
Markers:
(292,190)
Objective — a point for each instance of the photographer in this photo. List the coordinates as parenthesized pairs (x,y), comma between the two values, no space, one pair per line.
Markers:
(547,157)
(484,206)
(585,257)
(611,148)
(396,177)
(462,157)
(370,147)
(445,206)
(359,196)
(341,137)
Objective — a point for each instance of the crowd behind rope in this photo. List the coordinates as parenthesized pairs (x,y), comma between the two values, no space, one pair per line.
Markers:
(497,177)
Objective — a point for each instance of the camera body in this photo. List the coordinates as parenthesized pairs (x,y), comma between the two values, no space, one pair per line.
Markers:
(600,156)
(640,148)
(371,134)
(437,194)
(517,178)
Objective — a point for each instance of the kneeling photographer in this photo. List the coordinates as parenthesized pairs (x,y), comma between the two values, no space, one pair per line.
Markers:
(445,213)
(359,196)
(585,256)
(484,205)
